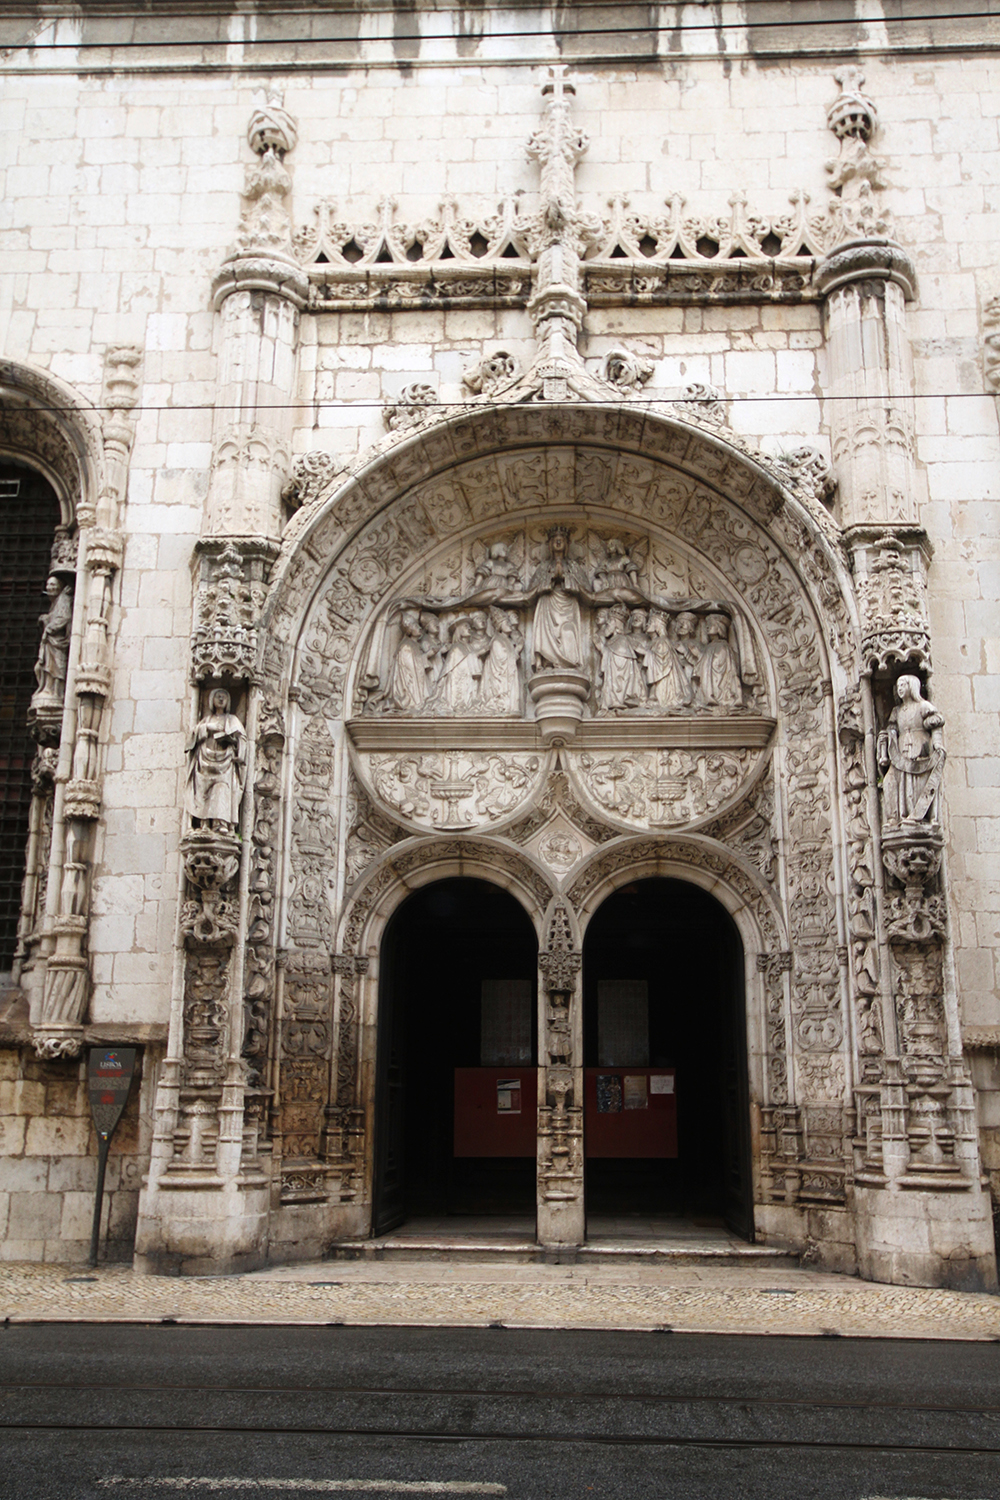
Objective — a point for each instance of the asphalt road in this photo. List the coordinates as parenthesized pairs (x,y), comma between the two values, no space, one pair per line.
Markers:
(115,1410)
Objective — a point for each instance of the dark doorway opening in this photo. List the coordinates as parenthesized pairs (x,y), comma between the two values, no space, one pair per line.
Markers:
(457,994)
(664,998)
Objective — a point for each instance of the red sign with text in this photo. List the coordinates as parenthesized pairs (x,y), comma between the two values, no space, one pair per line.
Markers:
(496,1111)
(630,1112)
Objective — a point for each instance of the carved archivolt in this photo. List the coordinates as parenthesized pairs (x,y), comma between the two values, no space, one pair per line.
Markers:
(661,469)
(406,619)
(45,422)
(740,888)
(416,862)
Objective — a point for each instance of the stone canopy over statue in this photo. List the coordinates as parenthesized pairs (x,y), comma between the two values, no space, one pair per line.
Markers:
(623,648)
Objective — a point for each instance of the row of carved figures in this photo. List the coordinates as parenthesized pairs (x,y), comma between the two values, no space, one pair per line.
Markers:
(649,660)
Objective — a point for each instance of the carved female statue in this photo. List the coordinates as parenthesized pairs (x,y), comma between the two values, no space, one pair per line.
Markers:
(217,767)
(53,649)
(717,677)
(686,647)
(458,689)
(501,684)
(622,682)
(911,753)
(669,686)
(408,675)
(557,585)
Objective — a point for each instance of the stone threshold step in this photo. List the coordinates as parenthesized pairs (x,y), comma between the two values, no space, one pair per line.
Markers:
(677,1252)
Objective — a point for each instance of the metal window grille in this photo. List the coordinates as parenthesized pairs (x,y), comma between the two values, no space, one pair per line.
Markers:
(29,514)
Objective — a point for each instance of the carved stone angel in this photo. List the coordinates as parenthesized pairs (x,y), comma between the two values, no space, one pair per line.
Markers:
(496,568)
(617,570)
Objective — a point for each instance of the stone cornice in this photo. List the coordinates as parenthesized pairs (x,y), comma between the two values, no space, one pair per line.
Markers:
(688,732)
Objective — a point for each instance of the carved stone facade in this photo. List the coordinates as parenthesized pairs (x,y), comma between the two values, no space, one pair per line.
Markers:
(561,531)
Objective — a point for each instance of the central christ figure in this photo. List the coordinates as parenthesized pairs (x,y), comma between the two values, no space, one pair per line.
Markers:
(557,586)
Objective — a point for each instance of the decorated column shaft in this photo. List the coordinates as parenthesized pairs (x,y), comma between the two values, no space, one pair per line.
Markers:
(212,1102)
(915,1133)
(57,1024)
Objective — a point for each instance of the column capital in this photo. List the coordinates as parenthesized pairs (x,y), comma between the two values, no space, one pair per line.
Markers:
(864,260)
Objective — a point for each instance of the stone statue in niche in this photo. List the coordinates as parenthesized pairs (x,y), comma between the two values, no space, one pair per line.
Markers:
(584,611)
(53,649)
(217,767)
(911,756)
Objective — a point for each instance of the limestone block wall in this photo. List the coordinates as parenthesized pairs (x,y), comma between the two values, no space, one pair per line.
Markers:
(49,1147)
(120,196)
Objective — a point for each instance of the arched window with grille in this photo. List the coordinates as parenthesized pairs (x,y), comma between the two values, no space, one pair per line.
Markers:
(29,516)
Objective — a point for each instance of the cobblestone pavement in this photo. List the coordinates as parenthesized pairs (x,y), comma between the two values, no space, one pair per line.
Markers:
(702,1299)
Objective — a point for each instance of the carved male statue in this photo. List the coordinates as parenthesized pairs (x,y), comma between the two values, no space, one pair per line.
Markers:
(669,686)
(458,689)
(408,676)
(622,681)
(217,767)
(688,652)
(911,754)
(718,683)
(501,683)
(53,649)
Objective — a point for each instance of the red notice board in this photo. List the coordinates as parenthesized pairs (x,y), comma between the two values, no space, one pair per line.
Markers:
(639,1114)
(496,1111)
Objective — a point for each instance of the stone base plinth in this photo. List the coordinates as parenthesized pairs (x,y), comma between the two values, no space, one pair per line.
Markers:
(918,1237)
(559,697)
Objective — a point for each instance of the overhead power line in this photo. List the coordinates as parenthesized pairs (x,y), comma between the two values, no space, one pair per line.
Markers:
(556,32)
(628,403)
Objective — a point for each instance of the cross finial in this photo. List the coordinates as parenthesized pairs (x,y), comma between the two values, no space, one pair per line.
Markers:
(557,85)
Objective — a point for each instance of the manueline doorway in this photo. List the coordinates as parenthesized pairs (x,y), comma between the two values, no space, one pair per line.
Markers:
(666,1109)
(456,1091)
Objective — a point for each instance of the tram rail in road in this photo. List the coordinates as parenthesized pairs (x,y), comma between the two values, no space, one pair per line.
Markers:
(121,1410)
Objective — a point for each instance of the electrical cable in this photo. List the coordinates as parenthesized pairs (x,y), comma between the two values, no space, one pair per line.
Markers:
(554,32)
(628,404)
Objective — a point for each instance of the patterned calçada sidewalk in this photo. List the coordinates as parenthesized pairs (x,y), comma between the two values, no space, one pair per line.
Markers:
(446,1293)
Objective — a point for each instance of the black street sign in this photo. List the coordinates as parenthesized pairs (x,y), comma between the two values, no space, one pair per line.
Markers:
(109,1078)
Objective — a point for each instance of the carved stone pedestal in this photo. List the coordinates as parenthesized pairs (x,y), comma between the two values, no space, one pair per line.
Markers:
(559,698)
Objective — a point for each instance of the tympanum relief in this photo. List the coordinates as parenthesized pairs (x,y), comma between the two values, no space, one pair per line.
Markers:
(556,599)
(556,635)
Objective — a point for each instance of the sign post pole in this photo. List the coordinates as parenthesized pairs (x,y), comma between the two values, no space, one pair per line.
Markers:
(109,1078)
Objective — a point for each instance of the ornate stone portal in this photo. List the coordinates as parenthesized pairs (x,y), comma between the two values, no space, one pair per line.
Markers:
(561,642)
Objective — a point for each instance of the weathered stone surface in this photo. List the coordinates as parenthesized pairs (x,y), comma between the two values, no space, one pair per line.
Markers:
(674,314)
